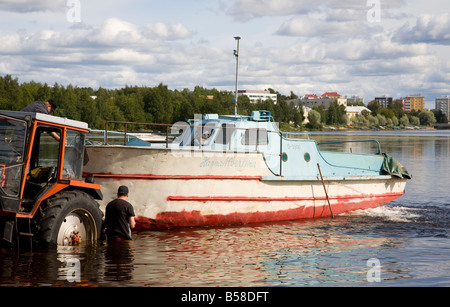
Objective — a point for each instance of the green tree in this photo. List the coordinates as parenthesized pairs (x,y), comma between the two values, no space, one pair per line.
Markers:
(427,118)
(440,116)
(336,114)
(374,107)
(397,108)
(321,110)
(414,120)
(404,120)
(9,93)
(157,102)
(381,120)
(314,119)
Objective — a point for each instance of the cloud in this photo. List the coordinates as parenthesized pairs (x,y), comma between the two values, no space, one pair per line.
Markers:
(309,27)
(245,10)
(433,29)
(298,45)
(27,6)
(108,54)
(169,32)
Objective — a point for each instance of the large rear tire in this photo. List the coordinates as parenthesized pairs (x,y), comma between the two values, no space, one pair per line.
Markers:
(69,218)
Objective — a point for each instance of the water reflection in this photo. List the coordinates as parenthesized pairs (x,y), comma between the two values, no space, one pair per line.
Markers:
(292,253)
(309,252)
(119,259)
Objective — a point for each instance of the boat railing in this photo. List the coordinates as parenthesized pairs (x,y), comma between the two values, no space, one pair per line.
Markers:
(295,134)
(165,130)
(353,141)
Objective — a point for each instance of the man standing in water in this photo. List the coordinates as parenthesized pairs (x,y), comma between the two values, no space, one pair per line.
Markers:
(119,217)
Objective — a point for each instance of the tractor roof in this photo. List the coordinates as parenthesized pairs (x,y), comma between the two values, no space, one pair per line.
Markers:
(46,118)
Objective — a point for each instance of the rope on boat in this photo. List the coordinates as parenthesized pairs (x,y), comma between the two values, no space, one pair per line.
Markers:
(326,193)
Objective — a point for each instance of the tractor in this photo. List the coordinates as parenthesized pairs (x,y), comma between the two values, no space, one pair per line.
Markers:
(43,196)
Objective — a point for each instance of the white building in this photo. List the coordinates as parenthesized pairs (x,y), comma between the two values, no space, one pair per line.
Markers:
(355,110)
(256,96)
(443,105)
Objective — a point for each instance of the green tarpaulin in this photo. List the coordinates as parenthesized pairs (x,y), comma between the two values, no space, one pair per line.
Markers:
(394,168)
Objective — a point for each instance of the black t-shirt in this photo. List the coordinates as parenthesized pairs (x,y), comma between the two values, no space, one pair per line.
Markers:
(118,213)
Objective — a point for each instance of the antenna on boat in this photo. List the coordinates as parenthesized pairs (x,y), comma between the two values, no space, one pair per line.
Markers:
(236,54)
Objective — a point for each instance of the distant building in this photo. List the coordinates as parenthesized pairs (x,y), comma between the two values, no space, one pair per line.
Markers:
(354,100)
(443,105)
(352,111)
(256,96)
(414,103)
(309,96)
(311,100)
(384,101)
(332,95)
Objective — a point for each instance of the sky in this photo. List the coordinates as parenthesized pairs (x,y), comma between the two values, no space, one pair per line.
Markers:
(355,47)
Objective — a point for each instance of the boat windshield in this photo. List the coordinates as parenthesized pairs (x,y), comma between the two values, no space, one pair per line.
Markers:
(198,134)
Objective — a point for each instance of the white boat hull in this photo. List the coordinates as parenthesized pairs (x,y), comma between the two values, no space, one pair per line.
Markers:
(176,188)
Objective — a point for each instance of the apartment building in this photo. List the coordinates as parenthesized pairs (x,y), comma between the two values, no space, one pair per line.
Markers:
(414,103)
(312,100)
(443,105)
(384,101)
(256,96)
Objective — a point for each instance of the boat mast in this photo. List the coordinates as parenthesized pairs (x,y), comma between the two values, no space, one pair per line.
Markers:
(236,54)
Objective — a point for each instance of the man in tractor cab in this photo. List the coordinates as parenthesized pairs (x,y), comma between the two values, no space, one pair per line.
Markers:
(46,107)
(119,217)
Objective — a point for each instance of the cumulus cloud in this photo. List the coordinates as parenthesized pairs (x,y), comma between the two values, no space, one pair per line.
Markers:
(434,29)
(244,10)
(112,52)
(310,27)
(165,31)
(298,45)
(27,6)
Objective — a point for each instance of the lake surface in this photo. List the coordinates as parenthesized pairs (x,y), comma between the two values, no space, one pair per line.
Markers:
(405,243)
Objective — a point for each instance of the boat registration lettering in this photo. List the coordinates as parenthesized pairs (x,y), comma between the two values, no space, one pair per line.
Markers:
(228,162)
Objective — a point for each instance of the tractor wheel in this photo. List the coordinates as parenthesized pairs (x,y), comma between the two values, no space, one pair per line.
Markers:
(70,218)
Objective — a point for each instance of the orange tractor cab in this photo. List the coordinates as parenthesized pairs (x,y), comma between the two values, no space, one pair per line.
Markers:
(43,197)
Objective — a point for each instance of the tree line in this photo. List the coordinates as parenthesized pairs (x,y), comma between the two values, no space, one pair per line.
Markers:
(160,104)
(140,104)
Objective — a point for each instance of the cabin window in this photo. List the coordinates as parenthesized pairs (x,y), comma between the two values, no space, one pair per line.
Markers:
(255,137)
(202,134)
(224,134)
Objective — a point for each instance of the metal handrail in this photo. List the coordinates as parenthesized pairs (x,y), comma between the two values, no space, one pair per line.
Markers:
(279,132)
(353,141)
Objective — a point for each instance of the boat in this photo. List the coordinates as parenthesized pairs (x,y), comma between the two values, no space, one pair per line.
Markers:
(236,170)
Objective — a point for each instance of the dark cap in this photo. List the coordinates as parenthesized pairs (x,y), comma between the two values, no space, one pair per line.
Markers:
(53,103)
(122,190)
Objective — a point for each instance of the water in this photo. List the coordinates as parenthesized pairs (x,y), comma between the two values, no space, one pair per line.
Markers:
(410,239)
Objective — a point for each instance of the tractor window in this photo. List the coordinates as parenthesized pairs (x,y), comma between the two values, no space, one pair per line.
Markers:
(12,148)
(43,162)
(73,155)
(46,148)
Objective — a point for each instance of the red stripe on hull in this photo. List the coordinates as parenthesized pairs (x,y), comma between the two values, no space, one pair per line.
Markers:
(170,177)
(172,220)
(272,199)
